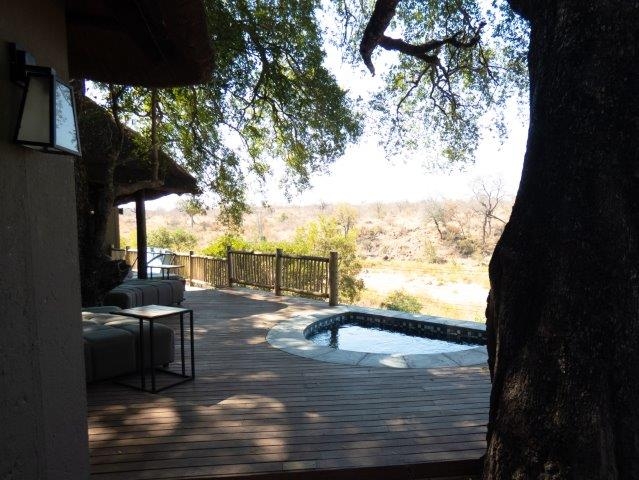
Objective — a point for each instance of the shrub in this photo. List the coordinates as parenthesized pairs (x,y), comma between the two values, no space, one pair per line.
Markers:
(466,246)
(402,301)
(325,235)
(218,247)
(177,240)
(430,252)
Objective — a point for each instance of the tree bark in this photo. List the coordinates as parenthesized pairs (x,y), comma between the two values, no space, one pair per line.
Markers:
(562,316)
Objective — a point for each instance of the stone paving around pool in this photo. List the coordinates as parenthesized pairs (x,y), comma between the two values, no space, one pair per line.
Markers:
(289,336)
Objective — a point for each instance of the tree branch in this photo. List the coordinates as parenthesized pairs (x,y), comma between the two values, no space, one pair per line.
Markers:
(380,19)
(423,50)
(378,23)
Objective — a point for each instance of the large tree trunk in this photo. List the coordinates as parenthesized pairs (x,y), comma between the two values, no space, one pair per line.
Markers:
(563,312)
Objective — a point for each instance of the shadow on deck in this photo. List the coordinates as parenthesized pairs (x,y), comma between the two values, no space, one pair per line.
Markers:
(254,410)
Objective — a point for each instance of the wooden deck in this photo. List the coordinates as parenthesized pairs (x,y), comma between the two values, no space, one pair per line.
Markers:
(253,409)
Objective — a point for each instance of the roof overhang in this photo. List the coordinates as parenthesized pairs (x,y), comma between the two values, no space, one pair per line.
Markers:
(152,43)
(133,170)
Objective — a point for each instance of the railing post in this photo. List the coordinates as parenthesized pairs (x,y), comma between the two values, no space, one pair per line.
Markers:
(229,267)
(278,272)
(126,255)
(333,280)
(191,267)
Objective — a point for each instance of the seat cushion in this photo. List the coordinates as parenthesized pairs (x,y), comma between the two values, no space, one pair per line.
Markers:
(138,292)
(110,351)
(163,339)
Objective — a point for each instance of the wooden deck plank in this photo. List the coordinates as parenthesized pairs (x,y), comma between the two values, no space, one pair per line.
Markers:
(255,410)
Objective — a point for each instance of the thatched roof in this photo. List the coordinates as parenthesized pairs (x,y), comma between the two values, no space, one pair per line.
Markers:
(153,43)
(100,138)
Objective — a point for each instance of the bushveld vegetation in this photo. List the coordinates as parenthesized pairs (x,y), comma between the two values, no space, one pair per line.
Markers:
(435,251)
(402,301)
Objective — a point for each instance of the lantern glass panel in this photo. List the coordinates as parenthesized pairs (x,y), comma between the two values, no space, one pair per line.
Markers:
(66,134)
(34,123)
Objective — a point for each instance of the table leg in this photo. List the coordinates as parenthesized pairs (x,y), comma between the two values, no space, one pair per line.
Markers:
(152,358)
(192,345)
(182,341)
(141,352)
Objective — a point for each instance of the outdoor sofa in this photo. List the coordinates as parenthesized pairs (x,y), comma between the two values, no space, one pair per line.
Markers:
(153,291)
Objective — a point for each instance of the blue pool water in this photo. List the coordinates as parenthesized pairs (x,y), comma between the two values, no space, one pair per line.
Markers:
(357,338)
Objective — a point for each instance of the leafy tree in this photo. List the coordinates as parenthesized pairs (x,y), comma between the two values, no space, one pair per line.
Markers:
(441,213)
(218,247)
(270,99)
(462,61)
(346,216)
(401,301)
(562,321)
(176,240)
(192,206)
(324,236)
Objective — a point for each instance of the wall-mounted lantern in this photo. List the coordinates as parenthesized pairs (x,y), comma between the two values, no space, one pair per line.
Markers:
(47,121)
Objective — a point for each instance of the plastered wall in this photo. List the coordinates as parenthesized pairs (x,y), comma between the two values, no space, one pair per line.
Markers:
(43,432)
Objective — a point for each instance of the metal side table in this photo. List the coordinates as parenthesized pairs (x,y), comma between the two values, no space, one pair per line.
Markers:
(151,313)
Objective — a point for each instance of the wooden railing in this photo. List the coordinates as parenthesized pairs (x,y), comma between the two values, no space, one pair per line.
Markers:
(305,275)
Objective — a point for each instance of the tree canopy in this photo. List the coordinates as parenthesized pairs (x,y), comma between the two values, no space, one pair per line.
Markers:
(272,102)
(459,64)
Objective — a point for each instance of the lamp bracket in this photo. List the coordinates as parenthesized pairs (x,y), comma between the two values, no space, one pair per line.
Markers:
(22,63)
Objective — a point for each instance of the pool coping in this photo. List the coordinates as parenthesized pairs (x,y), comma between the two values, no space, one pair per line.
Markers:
(289,337)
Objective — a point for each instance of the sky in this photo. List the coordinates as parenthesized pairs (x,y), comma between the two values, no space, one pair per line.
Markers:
(363,175)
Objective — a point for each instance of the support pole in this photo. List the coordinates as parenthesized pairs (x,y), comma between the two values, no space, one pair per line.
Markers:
(333,280)
(229,267)
(278,272)
(140,221)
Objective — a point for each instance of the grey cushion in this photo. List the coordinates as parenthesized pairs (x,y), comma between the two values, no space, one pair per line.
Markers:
(163,339)
(110,351)
(137,292)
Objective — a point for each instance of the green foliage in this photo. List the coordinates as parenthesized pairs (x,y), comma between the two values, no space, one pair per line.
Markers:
(346,217)
(130,240)
(436,103)
(176,240)
(318,238)
(269,99)
(192,206)
(324,236)
(401,301)
(218,247)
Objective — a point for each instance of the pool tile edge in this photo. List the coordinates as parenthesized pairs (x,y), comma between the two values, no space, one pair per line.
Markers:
(289,336)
